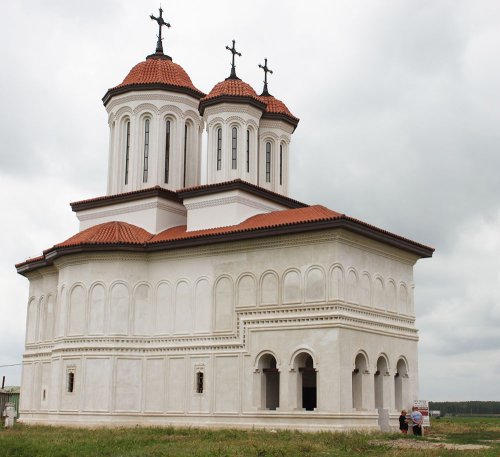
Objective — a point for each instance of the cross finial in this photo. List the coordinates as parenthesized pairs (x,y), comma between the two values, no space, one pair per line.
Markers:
(160,21)
(233,67)
(266,71)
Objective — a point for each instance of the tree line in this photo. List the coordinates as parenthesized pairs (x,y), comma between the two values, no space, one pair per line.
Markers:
(465,407)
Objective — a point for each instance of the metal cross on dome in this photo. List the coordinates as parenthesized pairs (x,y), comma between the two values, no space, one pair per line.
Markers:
(233,67)
(266,71)
(160,21)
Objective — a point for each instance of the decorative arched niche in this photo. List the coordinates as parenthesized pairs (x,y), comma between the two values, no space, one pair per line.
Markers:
(247,290)
(292,287)
(315,284)
(224,304)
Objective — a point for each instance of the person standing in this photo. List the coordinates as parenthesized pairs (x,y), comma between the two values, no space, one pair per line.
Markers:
(418,419)
(403,422)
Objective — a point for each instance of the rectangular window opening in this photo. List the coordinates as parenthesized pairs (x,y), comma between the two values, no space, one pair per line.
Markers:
(199,382)
(70,383)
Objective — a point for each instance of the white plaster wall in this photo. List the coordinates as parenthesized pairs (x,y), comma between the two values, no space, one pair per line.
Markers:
(224,209)
(278,133)
(163,316)
(158,106)
(226,116)
(153,214)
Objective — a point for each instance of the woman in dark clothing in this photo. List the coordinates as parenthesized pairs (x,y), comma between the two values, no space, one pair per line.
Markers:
(403,422)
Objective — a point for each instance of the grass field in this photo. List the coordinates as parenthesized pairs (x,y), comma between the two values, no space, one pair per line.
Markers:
(461,433)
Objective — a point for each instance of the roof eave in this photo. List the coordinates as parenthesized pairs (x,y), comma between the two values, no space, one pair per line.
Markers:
(239,99)
(195,93)
(341,222)
(293,121)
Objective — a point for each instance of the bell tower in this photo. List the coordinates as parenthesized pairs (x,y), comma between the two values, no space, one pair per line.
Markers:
(155,127)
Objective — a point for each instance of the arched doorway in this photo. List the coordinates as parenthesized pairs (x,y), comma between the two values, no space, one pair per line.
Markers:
(380,401)
(306,382)
(360,368)
(270,382)
(400,384)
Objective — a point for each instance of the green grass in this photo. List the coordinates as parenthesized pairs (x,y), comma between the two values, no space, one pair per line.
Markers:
(40,441)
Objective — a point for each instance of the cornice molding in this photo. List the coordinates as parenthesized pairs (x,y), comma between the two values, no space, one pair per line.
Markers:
(152,97)
(132,209)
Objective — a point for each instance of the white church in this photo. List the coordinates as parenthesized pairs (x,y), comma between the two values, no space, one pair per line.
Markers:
(223,303)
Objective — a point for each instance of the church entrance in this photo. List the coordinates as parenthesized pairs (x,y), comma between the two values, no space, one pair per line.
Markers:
(307,382)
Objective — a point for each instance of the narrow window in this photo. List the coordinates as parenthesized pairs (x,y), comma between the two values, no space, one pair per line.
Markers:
(234,148)
(248,151)
(146,151)
(219,149)
(167,150)
(199,382)
(185,152)
(71,381)
(268,162)
(281,164)
(127,152)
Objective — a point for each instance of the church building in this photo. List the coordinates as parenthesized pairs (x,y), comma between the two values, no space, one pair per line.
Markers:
(222,303)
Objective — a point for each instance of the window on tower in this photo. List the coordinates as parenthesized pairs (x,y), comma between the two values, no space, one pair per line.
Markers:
(248,151)
(234,148)
(146,151)
(167,150)
(186,139)
(219,149)
(127,151)
(268,161)
(281,164)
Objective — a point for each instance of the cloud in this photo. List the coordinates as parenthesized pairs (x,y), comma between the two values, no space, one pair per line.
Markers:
(399,127)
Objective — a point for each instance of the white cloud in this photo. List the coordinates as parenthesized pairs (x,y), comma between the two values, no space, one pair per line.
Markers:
(399,127)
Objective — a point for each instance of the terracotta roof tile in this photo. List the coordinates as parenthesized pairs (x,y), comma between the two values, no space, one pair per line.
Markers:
(260,221)
(275,106)
(108,233)
(120,233)
(232,88)
(158,71)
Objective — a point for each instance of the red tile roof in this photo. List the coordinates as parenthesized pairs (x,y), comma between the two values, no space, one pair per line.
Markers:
(108,233)
(275,106)
(161,71)
(261,221)
(233,88)
(121,234)
(155,71)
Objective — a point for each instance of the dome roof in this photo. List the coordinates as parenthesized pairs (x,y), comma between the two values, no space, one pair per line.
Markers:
(277,109)
(156,72)
(232,90)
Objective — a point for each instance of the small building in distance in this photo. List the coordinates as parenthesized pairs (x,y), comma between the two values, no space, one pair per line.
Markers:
(225,303)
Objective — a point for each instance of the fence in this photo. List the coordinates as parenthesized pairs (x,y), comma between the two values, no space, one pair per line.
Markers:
(6,397)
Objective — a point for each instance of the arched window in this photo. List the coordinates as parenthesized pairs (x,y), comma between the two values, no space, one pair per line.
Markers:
(146,151)
(234,148)
(127,151)
(269,383)
(186,136)
(281,164)
(219,148)
(306,381)
(167,150)
(268,162)
(248,151)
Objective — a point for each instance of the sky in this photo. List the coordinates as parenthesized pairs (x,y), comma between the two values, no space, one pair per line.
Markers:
(400,115)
